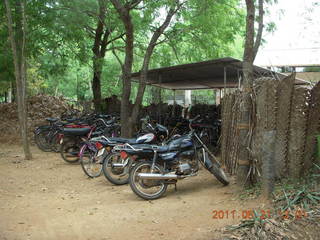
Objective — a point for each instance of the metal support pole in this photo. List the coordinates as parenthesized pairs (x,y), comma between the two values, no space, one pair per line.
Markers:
(225,79)
(174,103)
(239,79)
(160,100)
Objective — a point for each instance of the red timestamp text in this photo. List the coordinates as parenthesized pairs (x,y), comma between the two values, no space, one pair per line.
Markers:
(262,214)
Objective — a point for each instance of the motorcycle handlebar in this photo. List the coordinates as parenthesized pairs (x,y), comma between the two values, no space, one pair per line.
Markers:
(195,118)
(192,120)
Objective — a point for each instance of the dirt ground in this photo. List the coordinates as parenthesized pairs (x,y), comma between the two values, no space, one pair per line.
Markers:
(47,198)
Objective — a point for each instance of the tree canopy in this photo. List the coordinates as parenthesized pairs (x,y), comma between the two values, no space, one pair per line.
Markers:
(61,37)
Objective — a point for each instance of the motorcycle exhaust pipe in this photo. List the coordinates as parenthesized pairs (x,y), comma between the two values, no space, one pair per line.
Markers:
(118,165)
(158,176)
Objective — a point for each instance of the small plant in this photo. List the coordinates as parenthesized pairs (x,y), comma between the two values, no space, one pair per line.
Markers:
(302,193)
(250,192)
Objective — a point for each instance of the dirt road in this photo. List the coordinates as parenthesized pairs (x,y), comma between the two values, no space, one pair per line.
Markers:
(47,198)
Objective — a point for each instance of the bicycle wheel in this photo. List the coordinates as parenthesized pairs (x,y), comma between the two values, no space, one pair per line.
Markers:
(91,163)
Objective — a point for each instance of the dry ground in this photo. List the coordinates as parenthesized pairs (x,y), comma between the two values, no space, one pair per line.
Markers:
(47,198)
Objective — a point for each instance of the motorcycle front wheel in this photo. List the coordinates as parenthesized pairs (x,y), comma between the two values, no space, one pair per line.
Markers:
(148,189)
(213,167)
(219,174)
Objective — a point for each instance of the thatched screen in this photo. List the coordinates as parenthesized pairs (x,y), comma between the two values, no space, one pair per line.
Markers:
(293,112)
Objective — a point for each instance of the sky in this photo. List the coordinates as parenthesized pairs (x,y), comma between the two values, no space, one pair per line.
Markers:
(296,39)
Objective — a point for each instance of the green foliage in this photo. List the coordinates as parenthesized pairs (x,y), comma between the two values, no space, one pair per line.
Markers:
(311,69)
(60,40)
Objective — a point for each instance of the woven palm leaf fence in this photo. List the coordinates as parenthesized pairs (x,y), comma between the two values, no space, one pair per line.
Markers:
(291,112)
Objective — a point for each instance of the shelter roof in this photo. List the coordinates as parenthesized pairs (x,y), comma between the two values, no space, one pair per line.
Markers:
(217,73)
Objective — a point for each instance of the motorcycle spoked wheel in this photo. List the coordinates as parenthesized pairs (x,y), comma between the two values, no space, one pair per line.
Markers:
(117,176)
(70,152)
(219,174)
(217,171)
(91,164)
(146,188)
(41,140)
(55,145)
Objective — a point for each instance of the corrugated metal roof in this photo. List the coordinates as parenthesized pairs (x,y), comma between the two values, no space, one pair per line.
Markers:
(204,75)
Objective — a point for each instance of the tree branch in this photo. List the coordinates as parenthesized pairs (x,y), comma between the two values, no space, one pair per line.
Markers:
(260,29)
(104,42)
(134,3)
(99,29)
(116,38)
(117,57)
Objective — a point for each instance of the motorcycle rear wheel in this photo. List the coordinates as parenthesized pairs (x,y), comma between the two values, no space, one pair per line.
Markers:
(70,152)
(41,140)
(117,176)
(140,187)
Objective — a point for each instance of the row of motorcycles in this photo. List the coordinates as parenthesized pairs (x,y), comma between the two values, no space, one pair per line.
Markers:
(149,162)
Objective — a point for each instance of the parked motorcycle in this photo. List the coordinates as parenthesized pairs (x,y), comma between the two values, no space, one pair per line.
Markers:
(158,166)
(116,169)
(74,138)
(47,137)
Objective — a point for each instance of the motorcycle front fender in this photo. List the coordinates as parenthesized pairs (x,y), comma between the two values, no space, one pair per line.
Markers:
(207,162)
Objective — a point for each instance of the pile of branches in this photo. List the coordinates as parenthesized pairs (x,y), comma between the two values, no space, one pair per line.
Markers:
(276,228)
(39,107)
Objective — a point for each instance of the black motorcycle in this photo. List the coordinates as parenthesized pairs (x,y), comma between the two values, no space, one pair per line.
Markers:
(158,166)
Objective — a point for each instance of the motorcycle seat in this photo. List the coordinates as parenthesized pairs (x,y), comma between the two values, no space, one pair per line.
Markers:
(123,140)
(52,119)
(159,149)
(71,120)
(76,131)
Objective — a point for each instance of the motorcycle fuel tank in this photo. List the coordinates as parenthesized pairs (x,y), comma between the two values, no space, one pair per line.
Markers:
(181,143)
(168,156)
(146,138)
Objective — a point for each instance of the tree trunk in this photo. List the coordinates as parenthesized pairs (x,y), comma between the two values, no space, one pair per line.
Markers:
(145,67)
(124,13)
(248,57)
(99,48)
(127,121)
(96,84)
(18,40)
